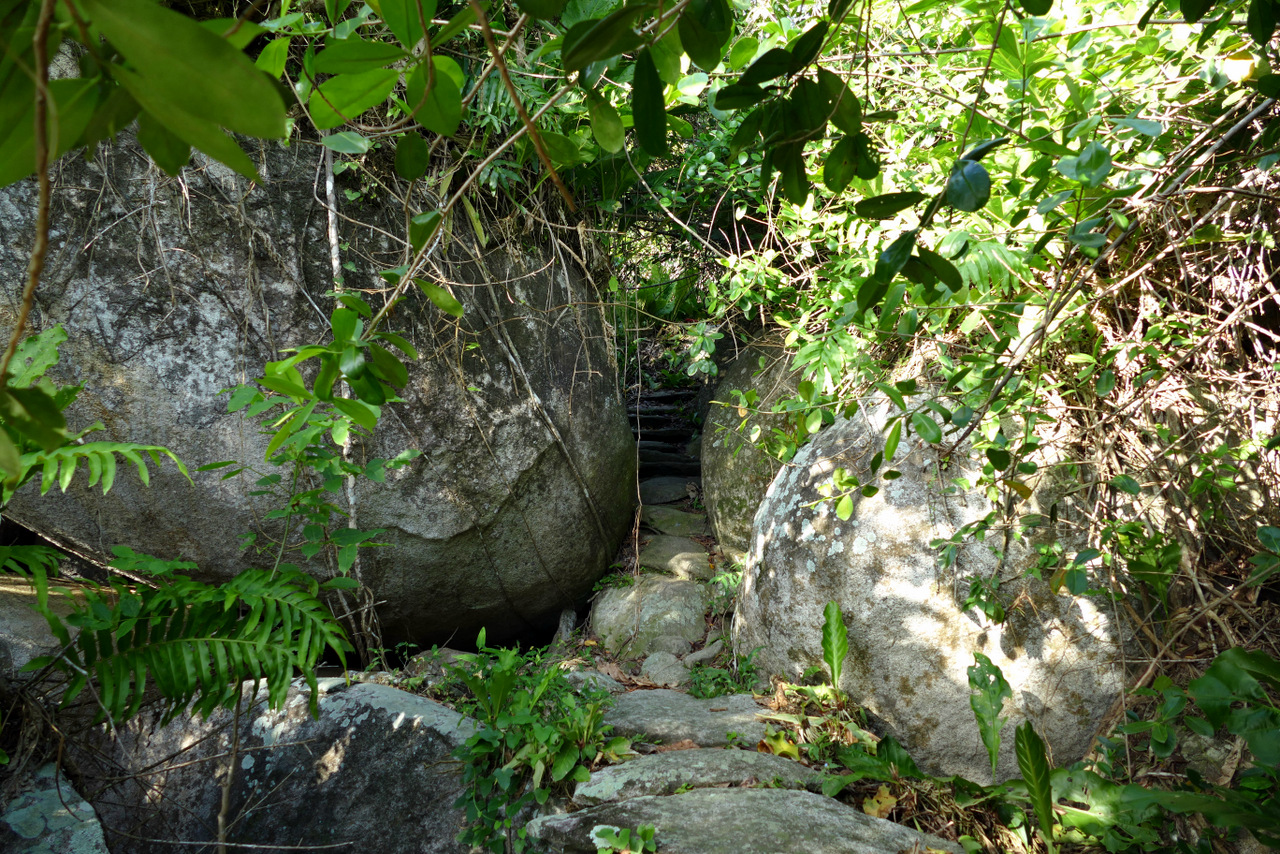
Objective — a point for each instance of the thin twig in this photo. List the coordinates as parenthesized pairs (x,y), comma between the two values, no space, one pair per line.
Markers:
(35,265)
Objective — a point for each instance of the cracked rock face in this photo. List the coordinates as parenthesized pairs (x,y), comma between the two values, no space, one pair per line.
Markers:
(172,289)
(910,642)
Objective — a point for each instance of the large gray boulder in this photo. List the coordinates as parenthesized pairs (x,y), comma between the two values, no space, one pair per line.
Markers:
(374,771)
(48,816)
(172,289)
(910,642)
(735,473)
(738,821)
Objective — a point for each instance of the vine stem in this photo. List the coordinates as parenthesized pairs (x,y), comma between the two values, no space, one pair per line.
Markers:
(534,136)
(35,265)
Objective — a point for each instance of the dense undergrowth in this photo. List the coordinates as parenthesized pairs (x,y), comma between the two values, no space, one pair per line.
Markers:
(1028,224)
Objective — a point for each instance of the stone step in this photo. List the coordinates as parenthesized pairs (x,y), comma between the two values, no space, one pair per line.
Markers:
(686,469)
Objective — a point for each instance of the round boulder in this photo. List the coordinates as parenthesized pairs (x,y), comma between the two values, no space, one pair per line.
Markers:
(910,639)
(736,473)
(172,289)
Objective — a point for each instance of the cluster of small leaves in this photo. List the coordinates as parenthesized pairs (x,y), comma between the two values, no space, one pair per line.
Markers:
(535,736)
(623,840)
(197,643)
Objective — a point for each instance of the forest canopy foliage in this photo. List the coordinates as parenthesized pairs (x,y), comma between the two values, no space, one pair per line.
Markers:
(1041,213)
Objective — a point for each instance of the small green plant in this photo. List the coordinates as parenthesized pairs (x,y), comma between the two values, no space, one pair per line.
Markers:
(707,681)
(536,736)
(835,648)
(987,701)
(620,840)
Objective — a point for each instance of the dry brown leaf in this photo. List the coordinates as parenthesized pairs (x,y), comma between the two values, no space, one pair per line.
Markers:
(683,744)
(881,804)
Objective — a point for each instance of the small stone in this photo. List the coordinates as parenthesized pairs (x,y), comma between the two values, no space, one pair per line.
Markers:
(583,680)
(707,653)
(664,668)
(680,556)
(677,646)
(628,619)
(668,520)
(664,490)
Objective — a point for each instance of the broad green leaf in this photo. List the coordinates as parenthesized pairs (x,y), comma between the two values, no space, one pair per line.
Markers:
(1146,127)
(775,62)
(606,125)
(405,20)
(1194,10)
(1125,483)
(887,205)
(352,363)
(926,428)
(805,49)
(412,156)
(743,51)
(835,641)
(969,187)
(990,691)
(195,131)
(894,258)
(273,57)
(423,227)
(354,55)
(1034,765)
(593,41)
(390,369)
(983,148)
(647,107)
(541,9)
(844,508)
(739,96)
(842,104)
(346,142)
(561,149)
(866,159)
(793,176)
(361,413)
(346,96)
(1036,8)
(11,461)
(439,109)
(344,323)
(668,54)
(705,28)
(891,443)
(893,394)
(1090,167)
(941,267)
(245,31)
(165,148)
(183,63)
(442,298)
(1105,382)
(72,105)
(839,168)
(1261,21)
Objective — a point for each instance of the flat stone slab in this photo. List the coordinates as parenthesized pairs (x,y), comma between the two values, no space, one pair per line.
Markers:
(668,520)
(667,717)
(666,773)
(664,490)
(50,817)
(739,821)
(680,556)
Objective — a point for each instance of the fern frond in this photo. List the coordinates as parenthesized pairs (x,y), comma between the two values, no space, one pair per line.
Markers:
(193,643)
